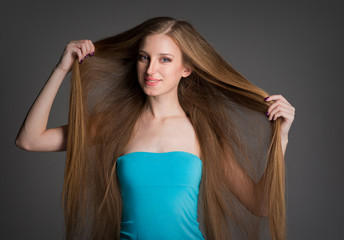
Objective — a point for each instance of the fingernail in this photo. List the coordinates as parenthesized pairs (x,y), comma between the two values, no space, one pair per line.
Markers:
(266,98)
(92,53)
(266,113)
(80,61)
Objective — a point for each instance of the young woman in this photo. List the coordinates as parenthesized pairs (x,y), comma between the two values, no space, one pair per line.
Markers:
(165,140)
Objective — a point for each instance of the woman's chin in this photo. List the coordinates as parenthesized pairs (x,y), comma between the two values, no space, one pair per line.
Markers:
(151,93)
(156,91)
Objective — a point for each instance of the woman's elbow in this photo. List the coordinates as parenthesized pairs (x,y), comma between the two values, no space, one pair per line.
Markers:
(261,211)
(23,144)
(258,208)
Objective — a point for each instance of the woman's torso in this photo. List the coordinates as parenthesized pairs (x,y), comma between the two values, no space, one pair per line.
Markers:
(159,195)
(159,175)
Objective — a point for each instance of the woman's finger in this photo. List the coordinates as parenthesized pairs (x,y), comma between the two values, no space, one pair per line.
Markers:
(87,49)
(287,116)
(281,110)
(279,103)
(78,52)
(83,50)
(90,48)
(276,97)
(279,100)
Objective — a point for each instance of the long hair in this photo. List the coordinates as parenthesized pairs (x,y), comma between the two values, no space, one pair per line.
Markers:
(225,109)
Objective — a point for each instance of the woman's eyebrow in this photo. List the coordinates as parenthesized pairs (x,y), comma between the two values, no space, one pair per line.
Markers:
(157,54)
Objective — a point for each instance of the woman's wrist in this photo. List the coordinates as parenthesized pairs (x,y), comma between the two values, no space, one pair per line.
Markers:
(61,69)
(58,74)
(284,143)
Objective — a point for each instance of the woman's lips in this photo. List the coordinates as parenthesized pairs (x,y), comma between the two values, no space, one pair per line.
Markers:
(151,81)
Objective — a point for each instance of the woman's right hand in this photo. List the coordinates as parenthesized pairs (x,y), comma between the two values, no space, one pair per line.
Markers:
(75,49)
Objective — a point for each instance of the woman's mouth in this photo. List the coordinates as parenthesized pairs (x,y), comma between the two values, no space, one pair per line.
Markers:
(151,81)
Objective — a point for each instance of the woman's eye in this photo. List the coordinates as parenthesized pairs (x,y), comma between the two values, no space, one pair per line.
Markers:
(165,60)
(142,58)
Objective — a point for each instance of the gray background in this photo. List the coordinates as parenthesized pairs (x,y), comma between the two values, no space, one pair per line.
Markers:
(295,49)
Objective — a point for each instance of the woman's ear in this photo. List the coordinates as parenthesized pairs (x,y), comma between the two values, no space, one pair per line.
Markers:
(187,71)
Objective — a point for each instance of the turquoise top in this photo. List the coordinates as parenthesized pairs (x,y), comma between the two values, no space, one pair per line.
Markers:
(159,195)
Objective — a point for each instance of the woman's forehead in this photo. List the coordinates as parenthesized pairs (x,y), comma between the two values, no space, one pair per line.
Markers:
(158,44)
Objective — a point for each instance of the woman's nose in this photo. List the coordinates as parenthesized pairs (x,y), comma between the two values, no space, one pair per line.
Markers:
(152,67)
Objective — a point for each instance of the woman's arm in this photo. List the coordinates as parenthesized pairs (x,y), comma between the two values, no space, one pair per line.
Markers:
(250,194)
(33,134)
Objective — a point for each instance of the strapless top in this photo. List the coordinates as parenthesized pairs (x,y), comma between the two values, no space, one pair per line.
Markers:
(159,195)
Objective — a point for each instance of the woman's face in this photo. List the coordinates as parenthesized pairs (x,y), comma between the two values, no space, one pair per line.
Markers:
(160,65)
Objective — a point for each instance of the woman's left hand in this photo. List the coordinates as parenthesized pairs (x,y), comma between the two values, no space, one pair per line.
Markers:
(281,108)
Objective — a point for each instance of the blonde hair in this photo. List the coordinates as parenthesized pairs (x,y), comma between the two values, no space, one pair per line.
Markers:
(105,103)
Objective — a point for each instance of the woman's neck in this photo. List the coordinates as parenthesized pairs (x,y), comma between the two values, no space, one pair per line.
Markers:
(160,107)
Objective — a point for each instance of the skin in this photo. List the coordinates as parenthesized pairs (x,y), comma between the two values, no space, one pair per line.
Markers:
(33,134)
(283,109)
(163,125)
